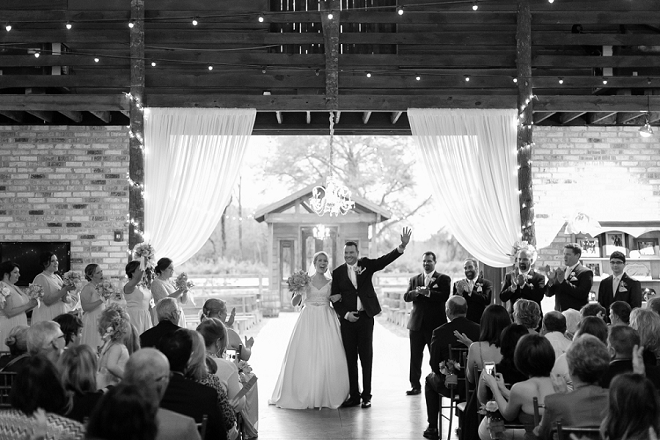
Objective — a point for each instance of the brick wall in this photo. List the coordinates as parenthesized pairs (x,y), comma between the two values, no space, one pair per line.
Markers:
(610,173)
(62,183)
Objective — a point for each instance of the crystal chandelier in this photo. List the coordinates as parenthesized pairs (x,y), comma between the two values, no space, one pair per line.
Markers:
(333,198)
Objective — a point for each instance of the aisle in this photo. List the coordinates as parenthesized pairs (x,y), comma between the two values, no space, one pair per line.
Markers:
(392,416)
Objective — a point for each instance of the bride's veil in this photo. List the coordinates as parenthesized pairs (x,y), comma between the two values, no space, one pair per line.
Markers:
(311,269)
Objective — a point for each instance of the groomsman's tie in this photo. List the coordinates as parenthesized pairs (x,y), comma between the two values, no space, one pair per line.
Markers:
(353,277)
(615,284)
(427,280)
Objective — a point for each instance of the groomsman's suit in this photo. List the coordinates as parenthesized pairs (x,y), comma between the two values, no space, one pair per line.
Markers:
(358,336)
(478,299)
(428,313)
(573,292)
(534,289)
(628,290)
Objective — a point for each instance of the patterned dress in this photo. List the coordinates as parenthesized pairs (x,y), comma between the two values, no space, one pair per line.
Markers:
(15,299)
(15,425)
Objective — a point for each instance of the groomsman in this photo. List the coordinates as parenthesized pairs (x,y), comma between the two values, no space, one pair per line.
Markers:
(524,282)
(571,284)
(428,292)
(619,286)
(356,304)
(476,290)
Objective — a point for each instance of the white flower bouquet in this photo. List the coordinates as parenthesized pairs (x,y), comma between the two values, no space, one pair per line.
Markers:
(35,291)
(146,254)
(4,294)
(183,283)
(105,289)
(298,282)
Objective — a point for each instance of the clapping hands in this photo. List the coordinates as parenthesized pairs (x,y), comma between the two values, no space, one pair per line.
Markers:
(249,342)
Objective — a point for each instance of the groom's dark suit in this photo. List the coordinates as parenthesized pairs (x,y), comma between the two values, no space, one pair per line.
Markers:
(358,336)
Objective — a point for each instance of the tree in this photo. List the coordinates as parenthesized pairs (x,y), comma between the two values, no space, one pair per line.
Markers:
(379,169)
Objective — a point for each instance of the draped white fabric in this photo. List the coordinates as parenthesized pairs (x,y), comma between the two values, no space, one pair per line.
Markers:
(470,156)
(192,161)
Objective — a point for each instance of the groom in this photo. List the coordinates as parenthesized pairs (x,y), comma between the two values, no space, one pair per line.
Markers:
(356,304)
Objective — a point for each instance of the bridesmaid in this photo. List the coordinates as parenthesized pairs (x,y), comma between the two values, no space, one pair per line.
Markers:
(16,304)
(138,298)
(162,287)
(54,290)
(92,305)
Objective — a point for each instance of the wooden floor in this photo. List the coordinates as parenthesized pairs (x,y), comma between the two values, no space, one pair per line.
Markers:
(392,416)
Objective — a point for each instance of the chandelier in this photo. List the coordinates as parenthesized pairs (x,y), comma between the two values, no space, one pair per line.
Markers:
(333,198)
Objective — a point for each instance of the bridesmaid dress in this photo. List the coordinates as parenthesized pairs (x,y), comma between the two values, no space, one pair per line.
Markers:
(50,284)
(15,299)
(90,332)
(137,307)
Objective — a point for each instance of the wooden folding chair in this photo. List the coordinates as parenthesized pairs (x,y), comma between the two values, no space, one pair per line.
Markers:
(6,381)
(564,432)
(458,354)
(201,427)
(537,417)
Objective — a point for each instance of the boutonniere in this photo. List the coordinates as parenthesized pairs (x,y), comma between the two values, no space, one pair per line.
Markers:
(478,286)
(432,280)
(572,275)
(359,269)
(623,287)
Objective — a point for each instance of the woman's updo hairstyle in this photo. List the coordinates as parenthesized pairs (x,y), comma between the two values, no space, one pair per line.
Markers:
(44,259)
(114,323)
(211,330)
(162,265)
(89,271)
(6,268)
(17,340)
(130,268)
(213,308)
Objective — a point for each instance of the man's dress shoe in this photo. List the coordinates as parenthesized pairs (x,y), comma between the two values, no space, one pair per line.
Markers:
(414,392)
(351,402)
(366,404)
(431,434)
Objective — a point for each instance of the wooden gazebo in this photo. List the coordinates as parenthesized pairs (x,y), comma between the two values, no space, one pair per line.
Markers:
(295,233)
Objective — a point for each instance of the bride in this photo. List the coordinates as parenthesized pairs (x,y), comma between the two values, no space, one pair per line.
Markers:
(314,372)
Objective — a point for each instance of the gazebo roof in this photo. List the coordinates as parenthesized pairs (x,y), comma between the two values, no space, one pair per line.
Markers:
(364,209)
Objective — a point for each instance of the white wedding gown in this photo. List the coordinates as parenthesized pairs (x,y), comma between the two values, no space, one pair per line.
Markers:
(314,373)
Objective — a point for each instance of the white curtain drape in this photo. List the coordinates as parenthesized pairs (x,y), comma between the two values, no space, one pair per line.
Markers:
(470,156)
(192,160)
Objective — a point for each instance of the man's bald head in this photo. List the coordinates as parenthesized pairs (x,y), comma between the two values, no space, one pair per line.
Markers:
(455,306)
(150,368)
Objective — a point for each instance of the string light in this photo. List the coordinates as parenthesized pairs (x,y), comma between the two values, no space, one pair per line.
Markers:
(475,6)
(561,80)
(368,74)
(261,19)
(36,54)
(195,22)
(153,64)
(515,80)
(399,10)
(330,16)
(210,67)
(604,81)
(418,78)
(551,1)
(8,27)
(68,25)
(131,24)
(96,59)
(467,78)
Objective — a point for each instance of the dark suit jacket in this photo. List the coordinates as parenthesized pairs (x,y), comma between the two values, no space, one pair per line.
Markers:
(582,408)
(478,300)
(630,291)
(428,313)
(192,399)
(533,290)
(616,367)
(573,293)
(151,337)
(341,284)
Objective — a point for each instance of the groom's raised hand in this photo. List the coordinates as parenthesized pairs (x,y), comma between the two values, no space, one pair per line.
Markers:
(405,237)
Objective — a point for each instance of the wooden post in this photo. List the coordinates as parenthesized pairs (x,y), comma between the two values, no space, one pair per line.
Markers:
(524,137)
(331,43)
(136,100)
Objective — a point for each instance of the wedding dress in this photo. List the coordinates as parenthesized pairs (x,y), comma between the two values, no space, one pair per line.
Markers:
(314,372)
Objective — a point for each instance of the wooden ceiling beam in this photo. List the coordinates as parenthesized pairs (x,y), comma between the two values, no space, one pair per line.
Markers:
(75,116)
(567,117)
(69,81)
(596,61)
(395,117)
(628,118)
(365,117)
(613,82)
(104,116)
(542,116)
(569,39)
(279,117)
(13,115)
(589,103)
(331,30)
(308,117)
(64,102)
(597,16)
(597,117)
(46,116)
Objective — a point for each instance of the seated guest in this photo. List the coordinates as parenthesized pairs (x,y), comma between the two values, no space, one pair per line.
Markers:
(434,389)
(17,343)
(554,327)
(619,286)
(198,371)
(620,313)
(217,308)
(37,389)
(573,318)
(587,362)
(126,412)
(168,312)
(534,357)
(507,367)
(590,326)
(593,309)
(114,326)
(78,367)
(654,304)
(634,410)
(186,396)
(647,324)
(71,326)
(527,313)
(45,338)
(487,349)
(620,343)
(149,368)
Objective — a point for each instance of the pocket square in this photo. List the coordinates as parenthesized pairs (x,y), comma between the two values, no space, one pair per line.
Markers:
(622,289)
(573,279)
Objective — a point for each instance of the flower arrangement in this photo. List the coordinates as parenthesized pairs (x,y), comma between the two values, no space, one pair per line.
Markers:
(449,368)
(146,254)
(72,278)
(298,282)
(116,322)
(4,293)
(244,371)
(105,289)
(35,291)
(183,283)
(495,420)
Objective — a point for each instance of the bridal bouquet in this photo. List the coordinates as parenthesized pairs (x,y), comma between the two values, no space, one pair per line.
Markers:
(72,278)
(146,254)
(183,283)
(4,293)
(35,291)
(105,289)
(298,282)
(244,371)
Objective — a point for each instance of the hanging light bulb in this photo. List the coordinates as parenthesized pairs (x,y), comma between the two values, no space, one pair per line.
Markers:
(330,16)
(68,25)
(210,67)
(153,64)
(368,74)
(561,80)
(475,6)
(131,24)
(261,19)
(37,54)
(418,78)
(195,22)
(8,27)
(399,10)
(96,59)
